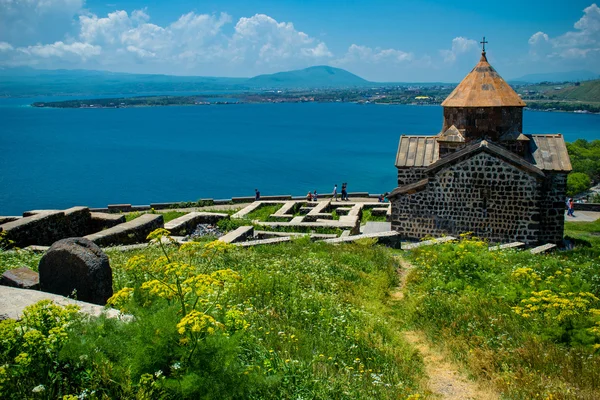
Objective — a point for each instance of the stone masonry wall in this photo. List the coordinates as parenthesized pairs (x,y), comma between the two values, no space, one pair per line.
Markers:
(482,194)
(481,122)
(409,175)
(552,210)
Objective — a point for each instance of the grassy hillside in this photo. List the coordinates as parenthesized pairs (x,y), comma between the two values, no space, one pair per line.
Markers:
(586,91)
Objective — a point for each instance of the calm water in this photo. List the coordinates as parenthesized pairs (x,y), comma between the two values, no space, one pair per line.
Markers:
(52,158)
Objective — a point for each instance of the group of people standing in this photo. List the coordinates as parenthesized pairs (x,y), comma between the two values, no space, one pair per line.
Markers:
(344,192)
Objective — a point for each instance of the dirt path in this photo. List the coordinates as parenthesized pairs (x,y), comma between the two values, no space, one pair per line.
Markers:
(445,379)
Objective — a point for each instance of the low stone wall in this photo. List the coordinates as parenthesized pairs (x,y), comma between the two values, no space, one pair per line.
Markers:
(131,232)
(48,226)
(587,207)
(187,223)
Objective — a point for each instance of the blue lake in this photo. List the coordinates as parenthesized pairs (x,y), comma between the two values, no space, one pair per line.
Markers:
(58,158)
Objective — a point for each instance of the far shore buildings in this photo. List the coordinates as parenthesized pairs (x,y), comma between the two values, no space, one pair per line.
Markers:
(481,173)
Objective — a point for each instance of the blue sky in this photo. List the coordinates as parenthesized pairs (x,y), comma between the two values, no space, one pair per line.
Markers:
(416,40)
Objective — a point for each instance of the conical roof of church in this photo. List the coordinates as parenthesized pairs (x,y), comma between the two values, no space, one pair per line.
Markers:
(483,87)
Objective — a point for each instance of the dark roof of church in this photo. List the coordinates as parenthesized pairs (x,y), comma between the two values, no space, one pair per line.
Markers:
(417,151)
(483,87)
(549,152)
(488,147)
(408,189)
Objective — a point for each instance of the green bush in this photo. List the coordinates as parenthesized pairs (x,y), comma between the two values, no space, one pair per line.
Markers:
(577,182)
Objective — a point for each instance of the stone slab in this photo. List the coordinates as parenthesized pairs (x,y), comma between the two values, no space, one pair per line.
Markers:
(239,235)
(14,300)
(245,199)
(375,227)
(542,248)
(297,220)
(411,246)
(188,222)
(119,207)
(134,231)
(389,238)
(35,248)
(21,278)
(6,219)
(512,245)
(345,233)
(286,209)
(246,210)
(269,234)
(260,242)
(101,221)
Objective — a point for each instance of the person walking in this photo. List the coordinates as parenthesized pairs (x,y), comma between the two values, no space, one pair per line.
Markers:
(315,196)
(335,192)
(344,191)
(256,195)
(570,205)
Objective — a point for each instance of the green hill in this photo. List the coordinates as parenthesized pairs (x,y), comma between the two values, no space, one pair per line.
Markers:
(313,77)
(586,91)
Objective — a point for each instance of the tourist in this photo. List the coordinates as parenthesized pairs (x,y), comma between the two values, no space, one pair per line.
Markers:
(256,195)
(570,206)
(335,192)
(381,198)
(344,191)
(309,196)
(314,196)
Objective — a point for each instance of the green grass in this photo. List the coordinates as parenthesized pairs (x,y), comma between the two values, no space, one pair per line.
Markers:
(18,258)
(584,232)
(523,322)
(367,216)
(263,213)
(307,320)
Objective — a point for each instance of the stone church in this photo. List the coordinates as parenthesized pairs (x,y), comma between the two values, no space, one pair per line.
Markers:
(481,173)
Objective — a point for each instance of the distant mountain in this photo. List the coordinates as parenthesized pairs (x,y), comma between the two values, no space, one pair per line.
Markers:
(25,81)
(312,77)
(570,76)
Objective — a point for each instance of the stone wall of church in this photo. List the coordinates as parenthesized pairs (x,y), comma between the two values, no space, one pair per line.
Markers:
(410,175)
(552,210)
(481,194)
(484,122)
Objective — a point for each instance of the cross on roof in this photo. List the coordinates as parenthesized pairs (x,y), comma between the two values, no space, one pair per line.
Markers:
(483,42)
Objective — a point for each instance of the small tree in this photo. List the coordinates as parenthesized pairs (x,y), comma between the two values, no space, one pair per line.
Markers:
(578,182)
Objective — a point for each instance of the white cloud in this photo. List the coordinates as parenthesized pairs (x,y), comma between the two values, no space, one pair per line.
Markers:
(5,46)
(368,55)
(583,43)
(60,49)
(261,39)
(460,45)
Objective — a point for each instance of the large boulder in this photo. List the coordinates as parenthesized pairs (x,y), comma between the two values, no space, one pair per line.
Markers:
(76,265)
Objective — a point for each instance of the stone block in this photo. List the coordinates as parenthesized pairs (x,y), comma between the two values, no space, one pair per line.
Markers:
(13,301)
(22,277)
(134,231)
(188,222)
(100,221)
(76,265)
(238,235)
(389,238)
(4,220)
(119,207)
